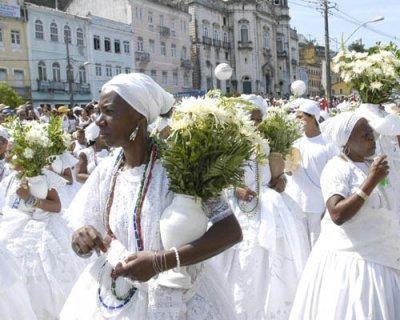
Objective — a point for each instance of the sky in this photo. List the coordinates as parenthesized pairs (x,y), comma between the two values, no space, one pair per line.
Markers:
(309,22)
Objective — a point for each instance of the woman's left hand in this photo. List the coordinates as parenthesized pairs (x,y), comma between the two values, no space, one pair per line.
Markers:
(137,267)
(23,191)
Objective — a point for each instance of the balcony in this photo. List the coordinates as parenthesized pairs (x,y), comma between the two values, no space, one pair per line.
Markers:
(142,56)
(164,31)
(226,45)
(217,43)
(245,45)
(282,53)
(294,62)
(62,87)
(207,41)
(186,64)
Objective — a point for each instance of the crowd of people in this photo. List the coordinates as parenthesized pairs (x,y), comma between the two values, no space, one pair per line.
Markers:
(321,241)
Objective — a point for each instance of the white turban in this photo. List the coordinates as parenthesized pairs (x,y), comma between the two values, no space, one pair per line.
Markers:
(339,128)
(142,93)
(257,102)
(310,107)
(4,133)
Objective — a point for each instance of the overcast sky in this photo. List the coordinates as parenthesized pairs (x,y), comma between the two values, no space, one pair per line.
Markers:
(309,22)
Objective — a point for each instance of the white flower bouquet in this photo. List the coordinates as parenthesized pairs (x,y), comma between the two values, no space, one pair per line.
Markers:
(374,74)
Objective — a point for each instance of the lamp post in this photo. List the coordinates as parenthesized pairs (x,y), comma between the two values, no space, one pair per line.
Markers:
(376,19)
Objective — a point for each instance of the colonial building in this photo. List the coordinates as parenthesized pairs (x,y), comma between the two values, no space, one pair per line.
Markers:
(253,36)
(161,36)
(312,58)
(14,61)
(57,44)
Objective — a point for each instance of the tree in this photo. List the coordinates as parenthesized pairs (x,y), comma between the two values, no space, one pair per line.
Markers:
(9,97)
(357,46)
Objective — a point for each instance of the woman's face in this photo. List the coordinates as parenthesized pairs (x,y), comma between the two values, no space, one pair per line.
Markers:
(362,140)
(307,120)
(118,119)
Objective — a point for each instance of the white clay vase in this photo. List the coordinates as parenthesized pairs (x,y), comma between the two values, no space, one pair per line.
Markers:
(57,165)
(184,221)
(38,186)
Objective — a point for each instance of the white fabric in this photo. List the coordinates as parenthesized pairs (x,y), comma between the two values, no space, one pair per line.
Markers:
(92,132)
(142,93)
(4,133)
(311,107)
(84,123)
(257,101)
(150,302)
(383,123)
(14,298)
(94,158)
(44,119)
(40,242)
(339,128)
(78,147)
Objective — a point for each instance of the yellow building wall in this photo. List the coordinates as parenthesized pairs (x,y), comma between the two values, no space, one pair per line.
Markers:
(14,57)
(341,88)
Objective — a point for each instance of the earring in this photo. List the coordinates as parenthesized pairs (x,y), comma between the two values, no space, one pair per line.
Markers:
(346,150)
(133,135)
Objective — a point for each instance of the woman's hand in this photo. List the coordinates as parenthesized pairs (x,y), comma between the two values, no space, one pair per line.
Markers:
(245,194)
(87,239)
(379,169)
(23,191)
(137,267)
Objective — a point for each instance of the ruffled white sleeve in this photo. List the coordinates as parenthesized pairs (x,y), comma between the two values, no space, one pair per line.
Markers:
(68,160)
(336,179)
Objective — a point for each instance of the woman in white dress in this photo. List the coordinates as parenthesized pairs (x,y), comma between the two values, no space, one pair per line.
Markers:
(84,119)
(264,269)
(304,182)
(37,236)
(354,269)
(122,201)
(79,143)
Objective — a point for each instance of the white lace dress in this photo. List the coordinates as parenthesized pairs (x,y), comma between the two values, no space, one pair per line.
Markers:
(151,302)
(264,269)
(354,269)
(94,158)
(14,298)
(40,242)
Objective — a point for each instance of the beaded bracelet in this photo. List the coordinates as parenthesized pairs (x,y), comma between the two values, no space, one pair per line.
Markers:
(178,260)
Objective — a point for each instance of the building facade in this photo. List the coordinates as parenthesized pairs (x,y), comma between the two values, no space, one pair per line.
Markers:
(57,44)
(14,60)
(312,59)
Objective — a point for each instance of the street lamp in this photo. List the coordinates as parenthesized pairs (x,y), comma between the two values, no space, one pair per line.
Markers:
(376,19)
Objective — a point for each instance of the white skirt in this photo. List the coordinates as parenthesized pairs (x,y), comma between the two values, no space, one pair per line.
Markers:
(14,298)
(336,285)
(41,246)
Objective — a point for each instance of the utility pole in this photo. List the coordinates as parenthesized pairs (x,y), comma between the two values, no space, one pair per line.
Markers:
(327,54)
(70,77)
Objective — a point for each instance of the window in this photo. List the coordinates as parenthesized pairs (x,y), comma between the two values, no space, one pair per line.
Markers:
(184,53)
(173,50)
(153,74)
(279,43)
(107,44)
(3,74)
(53,32)
(152,46)
(224,21)
(98,70)
(140,45)
(165,77)
(79,37)
(186,80)
(150,18)
(70,72)
(127,70)
(108,70)
(163,49)
(244,33)
(82,74)
(67,34)
(205,31)
(96,42)
(117,46)
(42,73)
(127,47)
(142,71)
(139,13)
(118,70)
(216,34)
(175,78)
(56,72)
(1,35)
(277,2)
(19,78)
(161,20)
(266,40)
(226,55)
(226,37)
(39,34)
(15,38)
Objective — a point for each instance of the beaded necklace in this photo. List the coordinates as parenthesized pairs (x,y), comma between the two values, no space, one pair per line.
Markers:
(250,207)
(144,186)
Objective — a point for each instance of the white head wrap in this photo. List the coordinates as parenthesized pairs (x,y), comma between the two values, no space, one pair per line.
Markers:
(4,133)
(339,128)
(311,107)
(257,101)
(142,93)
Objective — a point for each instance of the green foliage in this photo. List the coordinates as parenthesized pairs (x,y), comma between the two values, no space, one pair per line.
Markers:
(281,131)
(55,133)
(9,97)
(357,46)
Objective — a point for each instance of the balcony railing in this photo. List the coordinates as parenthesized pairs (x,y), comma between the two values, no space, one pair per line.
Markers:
(226,45)
(217,43)
(245,45)
(282,54)
(142,56)
(164,31)
(62,87)
(186,64)
(207,41)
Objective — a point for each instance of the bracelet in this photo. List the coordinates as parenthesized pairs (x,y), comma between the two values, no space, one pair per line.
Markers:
(361,194)
(178,260)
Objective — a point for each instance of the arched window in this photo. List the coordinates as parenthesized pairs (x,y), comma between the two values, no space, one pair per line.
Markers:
(67,34)
(39,33)
(244,33)
(205,31)
(266,39)
(53,32)
(82,74)
(42,73)
(70,75)
(56,72)
(216,34)
(79,37)
(140,44)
